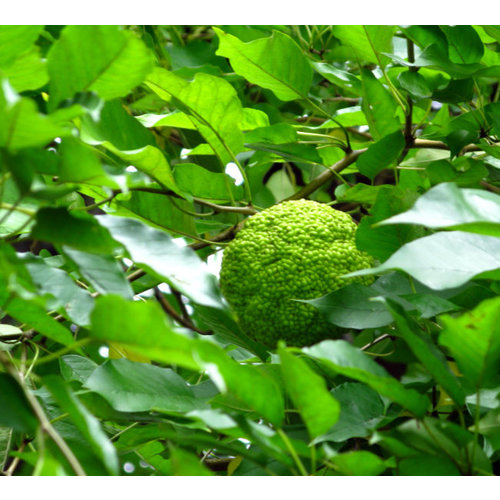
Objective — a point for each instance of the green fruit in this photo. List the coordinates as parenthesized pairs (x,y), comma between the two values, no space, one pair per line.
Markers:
(293,250)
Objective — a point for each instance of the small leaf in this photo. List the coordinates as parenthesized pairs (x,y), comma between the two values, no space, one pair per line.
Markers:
(381,155)
(415,84)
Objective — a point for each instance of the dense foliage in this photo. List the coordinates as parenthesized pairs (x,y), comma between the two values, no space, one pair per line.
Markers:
(130,157)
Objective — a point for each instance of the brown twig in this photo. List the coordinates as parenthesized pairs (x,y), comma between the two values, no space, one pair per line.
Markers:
(165,305)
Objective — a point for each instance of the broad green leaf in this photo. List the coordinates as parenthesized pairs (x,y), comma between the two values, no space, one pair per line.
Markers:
(136,387)
(66,295)
(379,106)
(474,341)
(309,394)
(442,439)
(86,423)
(415,84)
(382,242)
(76,230)
(184,463)
(426,352)
(106,59)
(200,182)
(115,320)
(427,465)
(142,328)
(212,104)
(443,260)
(275,63)
(361,409)
(448,206)
(79,163)
(15,41)
(358,463)
(366,43)
(35,316)
(22,126)
(252,118)
(28,72)
(74,367)
(464,44)
(347,360)
(381,155)
(116,126)
(338,76)
(156,250)
(353,307)
(16,412)
(103,272)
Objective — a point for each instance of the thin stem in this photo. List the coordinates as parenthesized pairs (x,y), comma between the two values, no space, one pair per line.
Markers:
(292,451)
(45,424)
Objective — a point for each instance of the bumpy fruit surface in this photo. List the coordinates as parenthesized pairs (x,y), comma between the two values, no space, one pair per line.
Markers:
(293,250)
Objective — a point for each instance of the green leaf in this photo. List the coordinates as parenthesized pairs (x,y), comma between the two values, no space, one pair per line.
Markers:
(184,463)
(22,126)
(79,231)
(464,44)
(35,315)
(474,341)
(86,423)
(213,107)
(200,182)
(28,72)
(136,387)
(427,465)
(381,155)
(448,206)
(115,320)
(275,63)
(16,412)
(361,409)
(106,59)
(365,42)
(347,360)
(443,260)
(381,242)
(427,353)
(15,41)
(353,307)
(103,272)
(415,84)
(74,367)
(156,250)
(142,328)
(358,463)
(378,106)
(5,441)
(309,394)
(66,295)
